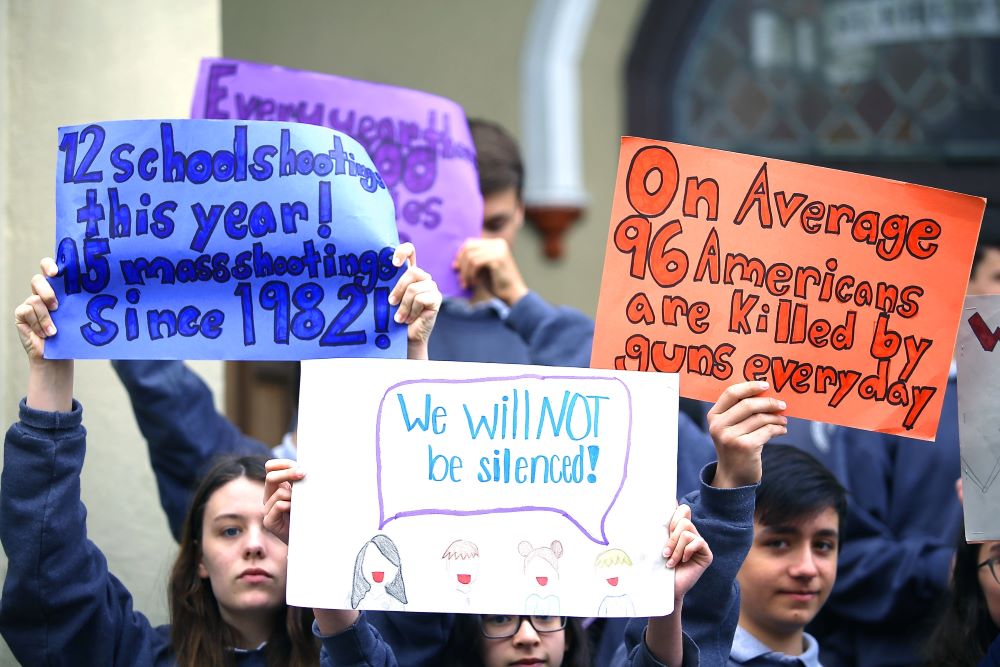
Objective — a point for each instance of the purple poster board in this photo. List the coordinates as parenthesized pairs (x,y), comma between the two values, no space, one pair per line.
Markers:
(420,144)
(204,239)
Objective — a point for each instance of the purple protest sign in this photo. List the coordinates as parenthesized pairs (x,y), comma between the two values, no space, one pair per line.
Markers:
(420,144)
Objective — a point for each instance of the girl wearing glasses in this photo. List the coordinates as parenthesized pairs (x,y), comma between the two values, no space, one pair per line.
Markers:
(494,640)
(972,620)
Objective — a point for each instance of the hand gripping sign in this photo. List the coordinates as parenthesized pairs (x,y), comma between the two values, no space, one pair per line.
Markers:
(194,239)
(483,488)
(420,144)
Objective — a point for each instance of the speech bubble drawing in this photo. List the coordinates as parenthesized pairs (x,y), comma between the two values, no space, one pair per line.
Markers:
(525,443)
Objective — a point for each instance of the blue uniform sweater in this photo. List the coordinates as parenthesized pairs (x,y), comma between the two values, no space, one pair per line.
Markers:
(531,332)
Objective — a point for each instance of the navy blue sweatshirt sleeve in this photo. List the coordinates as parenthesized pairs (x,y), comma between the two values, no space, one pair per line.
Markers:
(381,638)
(641,657)
(724,517)
(360,645)
(60,604)
(417,638)
(184,432)
(555,335)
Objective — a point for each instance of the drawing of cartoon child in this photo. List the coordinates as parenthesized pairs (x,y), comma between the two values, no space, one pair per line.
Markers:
(378,576)
(462,563)
(614,567)
(541,568)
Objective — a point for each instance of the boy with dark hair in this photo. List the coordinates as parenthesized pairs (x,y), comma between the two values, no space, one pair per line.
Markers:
(504,321)
(498,159)
(792,564)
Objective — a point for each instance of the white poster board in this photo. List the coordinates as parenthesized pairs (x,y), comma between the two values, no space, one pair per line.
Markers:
(979,420)
(486,488)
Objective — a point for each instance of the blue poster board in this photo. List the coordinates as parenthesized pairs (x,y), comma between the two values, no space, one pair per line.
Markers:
(206,239)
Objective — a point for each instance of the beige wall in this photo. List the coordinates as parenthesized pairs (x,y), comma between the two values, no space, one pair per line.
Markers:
(65,63)
(469,52)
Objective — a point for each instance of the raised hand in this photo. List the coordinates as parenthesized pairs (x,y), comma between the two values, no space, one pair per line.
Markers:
(489,264)
(419,301)
(281,473)
(686,552)
(740,423)
(50,383)
(32,318)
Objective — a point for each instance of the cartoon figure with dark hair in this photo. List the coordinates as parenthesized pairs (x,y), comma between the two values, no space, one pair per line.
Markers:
(378,575)
(613,566)
(462,562)
(541,567)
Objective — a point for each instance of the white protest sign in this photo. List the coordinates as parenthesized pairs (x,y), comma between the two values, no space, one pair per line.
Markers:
(486,488)
(979,420)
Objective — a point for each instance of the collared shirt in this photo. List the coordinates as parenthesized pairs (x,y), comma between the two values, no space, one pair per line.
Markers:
(748,650)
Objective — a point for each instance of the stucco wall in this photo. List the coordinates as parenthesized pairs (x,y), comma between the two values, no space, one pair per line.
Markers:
(65,63)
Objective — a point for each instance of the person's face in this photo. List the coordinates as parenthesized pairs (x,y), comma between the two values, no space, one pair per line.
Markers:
(245,563)
(788,575)
(378,570)
(989,585)
(526,647)
(986,278)
(503,215)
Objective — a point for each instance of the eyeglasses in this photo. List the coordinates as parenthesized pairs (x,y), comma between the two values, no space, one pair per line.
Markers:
(992,562)
(501,626)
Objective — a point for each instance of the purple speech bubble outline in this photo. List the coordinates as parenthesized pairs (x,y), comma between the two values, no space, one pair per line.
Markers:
(383,520)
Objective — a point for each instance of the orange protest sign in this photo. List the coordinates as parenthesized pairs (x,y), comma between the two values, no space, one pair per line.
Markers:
(842,291)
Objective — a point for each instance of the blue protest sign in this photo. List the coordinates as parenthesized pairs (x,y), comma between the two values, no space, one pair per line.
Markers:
(199,239)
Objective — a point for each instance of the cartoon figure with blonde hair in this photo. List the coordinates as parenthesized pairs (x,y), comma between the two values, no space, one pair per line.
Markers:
(614,567)
(541,568)
(462,562)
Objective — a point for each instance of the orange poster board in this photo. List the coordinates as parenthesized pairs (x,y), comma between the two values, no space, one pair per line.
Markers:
(842,291)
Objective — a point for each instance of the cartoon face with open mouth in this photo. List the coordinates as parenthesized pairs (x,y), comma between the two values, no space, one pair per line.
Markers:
(461,559)
(541,570)
(614,568)
(378,575)
(376,566)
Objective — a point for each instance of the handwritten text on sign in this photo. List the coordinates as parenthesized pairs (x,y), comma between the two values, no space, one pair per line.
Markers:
(462,489)
(842,291)
(532,432)
(209,239)
(420,144)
